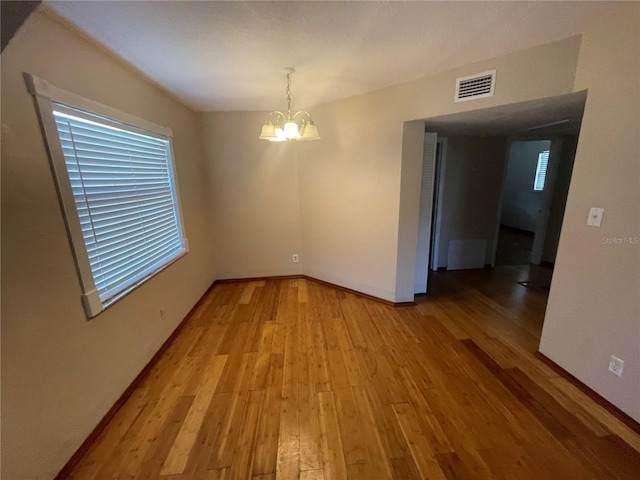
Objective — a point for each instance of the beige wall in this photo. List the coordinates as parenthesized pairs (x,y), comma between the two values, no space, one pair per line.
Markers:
(60,372)
(594,305)
(254,195)
(359,192)
(349,188)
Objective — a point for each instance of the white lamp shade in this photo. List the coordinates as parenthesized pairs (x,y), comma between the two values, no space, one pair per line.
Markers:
(310,132)
(268,131)
(291,130)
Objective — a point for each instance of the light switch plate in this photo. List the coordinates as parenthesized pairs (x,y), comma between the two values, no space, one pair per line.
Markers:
(595,217)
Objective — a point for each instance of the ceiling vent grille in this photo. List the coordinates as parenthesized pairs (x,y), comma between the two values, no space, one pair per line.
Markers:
(475,86)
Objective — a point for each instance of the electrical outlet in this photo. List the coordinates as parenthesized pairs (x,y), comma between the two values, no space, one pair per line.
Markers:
(616,365)
(295,258)
(163,315)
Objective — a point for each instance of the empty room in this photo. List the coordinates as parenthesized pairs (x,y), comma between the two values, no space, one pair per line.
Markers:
(320,240)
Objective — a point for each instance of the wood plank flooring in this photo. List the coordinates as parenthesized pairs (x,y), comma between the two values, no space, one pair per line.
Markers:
(292,379)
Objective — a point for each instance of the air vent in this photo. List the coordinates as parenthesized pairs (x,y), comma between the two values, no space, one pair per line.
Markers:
(475,86)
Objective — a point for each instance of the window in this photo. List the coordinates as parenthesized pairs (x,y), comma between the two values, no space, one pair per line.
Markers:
(117,189)
(541,171)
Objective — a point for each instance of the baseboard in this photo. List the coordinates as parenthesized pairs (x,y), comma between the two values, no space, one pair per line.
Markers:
(593,395)
(84,447)
(258,279)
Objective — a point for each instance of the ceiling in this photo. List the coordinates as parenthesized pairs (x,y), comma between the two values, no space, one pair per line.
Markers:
(229,55)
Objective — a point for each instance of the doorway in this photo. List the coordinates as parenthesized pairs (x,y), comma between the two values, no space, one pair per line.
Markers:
(534,195)
(471,186)
(431,189)
(525,184)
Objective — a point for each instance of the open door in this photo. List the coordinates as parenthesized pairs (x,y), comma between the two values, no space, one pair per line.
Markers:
(426,208)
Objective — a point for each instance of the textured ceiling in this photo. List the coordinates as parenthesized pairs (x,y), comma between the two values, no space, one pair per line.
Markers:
(229,55)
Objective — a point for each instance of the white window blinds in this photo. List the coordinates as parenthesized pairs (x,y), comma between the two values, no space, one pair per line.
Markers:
(122,183)
(541,171)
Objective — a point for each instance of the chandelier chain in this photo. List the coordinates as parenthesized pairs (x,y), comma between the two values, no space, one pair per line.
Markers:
(289,95)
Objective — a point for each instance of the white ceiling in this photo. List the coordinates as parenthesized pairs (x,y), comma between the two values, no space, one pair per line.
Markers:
(229,55)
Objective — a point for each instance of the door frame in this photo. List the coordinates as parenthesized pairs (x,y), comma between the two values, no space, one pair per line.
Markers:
(425,212)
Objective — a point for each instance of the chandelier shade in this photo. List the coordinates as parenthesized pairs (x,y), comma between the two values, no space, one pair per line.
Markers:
(268,131)
(281,127)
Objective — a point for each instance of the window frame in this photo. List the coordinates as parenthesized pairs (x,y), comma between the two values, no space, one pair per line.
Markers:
(45,95)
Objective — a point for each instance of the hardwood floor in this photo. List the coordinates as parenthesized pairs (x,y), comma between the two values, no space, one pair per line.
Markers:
(292,379)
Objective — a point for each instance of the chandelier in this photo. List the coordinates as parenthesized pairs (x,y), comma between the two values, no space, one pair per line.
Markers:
(285,128)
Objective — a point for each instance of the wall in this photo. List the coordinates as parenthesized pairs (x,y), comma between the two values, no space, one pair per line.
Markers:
(471,191)
(359,217)
(60,372)
(349,197)
(254,191)
(594,306)
(520,204)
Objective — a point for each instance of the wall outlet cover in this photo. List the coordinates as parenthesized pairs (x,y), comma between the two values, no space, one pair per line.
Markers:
(595,217)
(616,365)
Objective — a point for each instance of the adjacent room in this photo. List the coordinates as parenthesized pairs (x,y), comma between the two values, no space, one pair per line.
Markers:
(320,240)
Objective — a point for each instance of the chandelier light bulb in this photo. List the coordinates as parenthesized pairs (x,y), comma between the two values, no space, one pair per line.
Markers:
(278,135)
(291,130)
